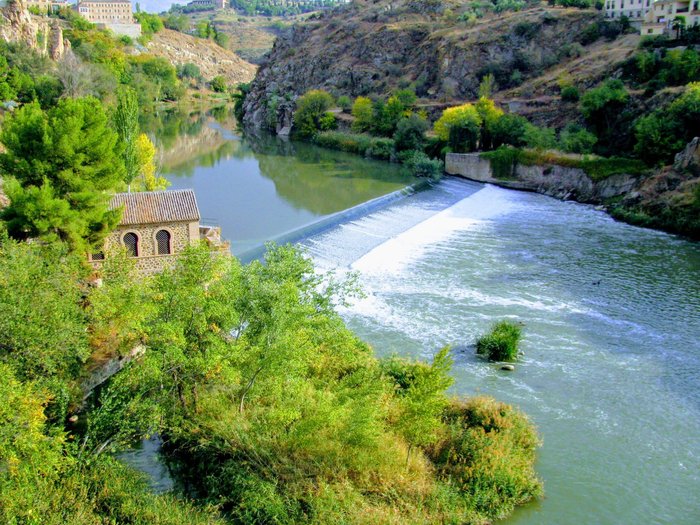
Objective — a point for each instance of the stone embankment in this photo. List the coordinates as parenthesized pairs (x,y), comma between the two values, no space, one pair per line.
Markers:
(557,181)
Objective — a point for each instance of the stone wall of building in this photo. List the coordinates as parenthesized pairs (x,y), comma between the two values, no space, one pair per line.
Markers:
(182,234)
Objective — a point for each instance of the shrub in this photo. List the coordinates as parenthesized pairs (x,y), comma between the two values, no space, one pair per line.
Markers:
(575,139)
(570,94)
(509,129)
(488,450)
(503,161)
(358,143)
(423,166)
(363,113)
(539,138)
(409,133)
(345,103)
(460,127)
(311,112)
(501,343)
(218,84)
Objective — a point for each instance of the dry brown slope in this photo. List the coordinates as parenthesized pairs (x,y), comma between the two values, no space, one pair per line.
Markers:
(211,59)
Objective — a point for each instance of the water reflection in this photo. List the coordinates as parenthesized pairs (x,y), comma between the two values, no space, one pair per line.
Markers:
(257,188)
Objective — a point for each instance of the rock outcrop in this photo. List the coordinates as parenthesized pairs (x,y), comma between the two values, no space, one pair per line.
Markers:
(373,47)
(18,25)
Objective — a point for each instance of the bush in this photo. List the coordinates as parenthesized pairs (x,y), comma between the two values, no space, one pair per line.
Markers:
(218,84)
(539,138)
(501,343)
(570,94)
(345,103)
(409,133)
(488,449)
(575,139)
(503,161)
(358,143)
(423,166)
(311,113)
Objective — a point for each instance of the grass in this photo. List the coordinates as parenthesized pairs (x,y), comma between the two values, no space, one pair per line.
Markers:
(501,343)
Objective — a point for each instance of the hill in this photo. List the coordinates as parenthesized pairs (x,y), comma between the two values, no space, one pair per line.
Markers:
(211,59)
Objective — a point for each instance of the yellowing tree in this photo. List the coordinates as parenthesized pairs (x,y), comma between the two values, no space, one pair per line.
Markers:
(363,113)
(145,153)
(490,115)
(459,126)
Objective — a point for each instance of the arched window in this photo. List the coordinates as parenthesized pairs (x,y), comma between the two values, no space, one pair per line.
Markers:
(131,241)
(163,242)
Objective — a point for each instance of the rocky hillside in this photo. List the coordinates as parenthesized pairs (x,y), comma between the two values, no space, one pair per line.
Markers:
(373,47)
(211,59)
(17,25)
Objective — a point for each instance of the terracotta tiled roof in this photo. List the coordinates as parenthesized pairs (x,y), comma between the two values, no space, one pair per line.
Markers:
(150,207)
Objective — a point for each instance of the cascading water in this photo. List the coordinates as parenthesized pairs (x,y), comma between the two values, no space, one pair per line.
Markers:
(611,373)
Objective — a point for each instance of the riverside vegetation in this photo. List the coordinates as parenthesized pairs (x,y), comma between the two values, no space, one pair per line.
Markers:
(270,409)
(629,110)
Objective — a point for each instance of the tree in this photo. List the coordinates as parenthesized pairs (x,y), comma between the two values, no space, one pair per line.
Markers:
(487,87)
(490,115)
(601,106)
(126,122)
(678,25)
(61,166)
(410,133)
(539,138)
(311,112)
(145,155)
(363,113)
(460,127)
(576,139)
(509,129)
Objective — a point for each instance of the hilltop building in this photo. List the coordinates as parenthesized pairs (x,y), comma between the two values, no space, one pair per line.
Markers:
(155,227)
(659,19)
(214,4)
(116,15)
(654,17)
(45,6)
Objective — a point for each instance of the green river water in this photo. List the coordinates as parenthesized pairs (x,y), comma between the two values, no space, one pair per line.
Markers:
(611,312)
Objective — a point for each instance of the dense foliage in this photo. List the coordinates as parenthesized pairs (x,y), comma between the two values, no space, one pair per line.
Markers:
(271,408)
(501,342)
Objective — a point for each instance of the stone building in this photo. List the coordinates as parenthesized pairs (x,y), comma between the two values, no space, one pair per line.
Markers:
(155,227)
(634,10)
(116,15)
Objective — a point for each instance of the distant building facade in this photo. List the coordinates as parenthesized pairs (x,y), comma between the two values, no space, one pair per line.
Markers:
(659,19)
(654,17)
(156,227)
(214,4)
(116,15)
(45,6)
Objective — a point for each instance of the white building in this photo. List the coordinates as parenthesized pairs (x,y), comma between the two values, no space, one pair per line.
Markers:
(659,19)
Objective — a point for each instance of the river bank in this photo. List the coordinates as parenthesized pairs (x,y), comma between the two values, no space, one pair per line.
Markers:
(667,199)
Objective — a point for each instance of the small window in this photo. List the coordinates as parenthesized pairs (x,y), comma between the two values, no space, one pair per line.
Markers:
(98,256)
(163,242)
(131,241)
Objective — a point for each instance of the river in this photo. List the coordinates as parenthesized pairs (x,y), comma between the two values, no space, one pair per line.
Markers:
(611,312)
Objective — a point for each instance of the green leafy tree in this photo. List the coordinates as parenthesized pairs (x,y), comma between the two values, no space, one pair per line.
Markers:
(126,122)
(539,138)
(602,107)
(410,133)
(509,129)
(61,166)
(311,111)
(576,139)
(490,115)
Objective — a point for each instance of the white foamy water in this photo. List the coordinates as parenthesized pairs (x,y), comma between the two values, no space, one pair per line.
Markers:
(611,373)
